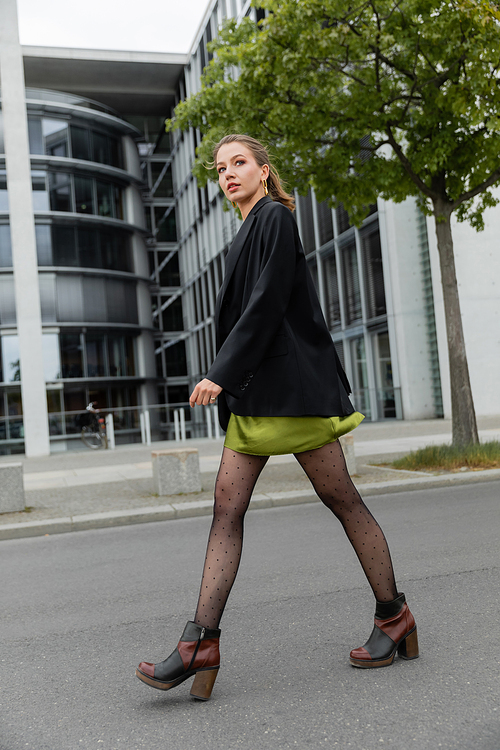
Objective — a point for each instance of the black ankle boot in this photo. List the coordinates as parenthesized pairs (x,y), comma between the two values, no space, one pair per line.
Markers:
(197,653)
(394,630)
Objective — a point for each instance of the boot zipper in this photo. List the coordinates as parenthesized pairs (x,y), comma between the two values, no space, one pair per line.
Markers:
(201,636)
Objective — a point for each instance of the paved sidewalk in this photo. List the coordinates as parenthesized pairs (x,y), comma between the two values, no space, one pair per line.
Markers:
(85,489)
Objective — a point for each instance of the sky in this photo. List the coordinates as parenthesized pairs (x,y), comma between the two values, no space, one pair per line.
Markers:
(148,26)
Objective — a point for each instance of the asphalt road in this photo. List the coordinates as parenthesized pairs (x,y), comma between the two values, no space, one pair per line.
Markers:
(79,611)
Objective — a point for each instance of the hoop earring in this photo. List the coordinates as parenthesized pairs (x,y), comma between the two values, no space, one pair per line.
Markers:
(264,185)
(234,205)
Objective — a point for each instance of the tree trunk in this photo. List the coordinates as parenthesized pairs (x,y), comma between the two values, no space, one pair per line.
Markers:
(464,427)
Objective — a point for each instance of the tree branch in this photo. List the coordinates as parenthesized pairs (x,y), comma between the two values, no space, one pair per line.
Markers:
(494,177)
(408,168)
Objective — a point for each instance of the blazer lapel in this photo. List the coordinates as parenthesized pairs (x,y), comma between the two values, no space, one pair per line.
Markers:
(232,257)
(235,251)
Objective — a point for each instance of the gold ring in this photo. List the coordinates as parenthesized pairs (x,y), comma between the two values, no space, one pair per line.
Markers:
(213,400)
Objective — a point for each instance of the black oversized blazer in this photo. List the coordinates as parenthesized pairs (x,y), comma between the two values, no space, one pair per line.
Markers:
(275,355)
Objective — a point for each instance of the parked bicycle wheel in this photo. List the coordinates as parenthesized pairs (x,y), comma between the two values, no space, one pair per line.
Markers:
(91,438)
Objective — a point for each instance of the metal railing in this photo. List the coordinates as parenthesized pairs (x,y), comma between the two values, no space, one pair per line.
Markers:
(11,434)
(160,422)
(140,424)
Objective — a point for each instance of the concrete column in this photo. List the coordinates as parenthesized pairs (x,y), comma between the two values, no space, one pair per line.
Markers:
(22,228)
(405,306)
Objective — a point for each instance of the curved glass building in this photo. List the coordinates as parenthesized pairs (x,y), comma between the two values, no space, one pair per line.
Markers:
(93,271)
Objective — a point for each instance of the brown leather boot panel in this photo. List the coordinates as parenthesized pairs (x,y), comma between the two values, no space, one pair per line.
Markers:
(397,627)
(207,655)
(360,653)
(147,668)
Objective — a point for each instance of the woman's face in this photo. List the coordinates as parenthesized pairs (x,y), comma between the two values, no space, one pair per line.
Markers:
(240,177)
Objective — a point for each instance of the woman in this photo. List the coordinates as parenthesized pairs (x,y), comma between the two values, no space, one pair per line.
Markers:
(280,389)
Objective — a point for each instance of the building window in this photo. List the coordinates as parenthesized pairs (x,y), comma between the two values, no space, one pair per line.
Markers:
(386,397)
(40,192)
(84,195)
(361,393)
(96,358)
(82,247)
(172,319)
(5,247)
(11,419)
(306,222)
(53,137)
(165,223)
(352,290)
(342,217)
(80,143)
(4,195)
(175,359)
(331,287)
(61,198)
(7,300)
(116,356)
(178,394)
(76,194)
(71,355)
(161,180)
(373,271)
(157,140)
(10,359)
(87,355)
(104,198)
(168,271)
(51,357)
(325,222)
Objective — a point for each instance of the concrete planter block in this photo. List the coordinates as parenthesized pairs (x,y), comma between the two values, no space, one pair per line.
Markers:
(11,488)
(176,470)
(347,443)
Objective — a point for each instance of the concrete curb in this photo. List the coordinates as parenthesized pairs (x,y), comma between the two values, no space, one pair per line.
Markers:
(167,512)
(172,511)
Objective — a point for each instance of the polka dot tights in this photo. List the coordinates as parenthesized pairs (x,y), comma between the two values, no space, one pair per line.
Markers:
(328,474)
(234,485)
(327,470)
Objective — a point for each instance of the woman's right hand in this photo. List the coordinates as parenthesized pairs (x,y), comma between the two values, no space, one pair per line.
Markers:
(205,392)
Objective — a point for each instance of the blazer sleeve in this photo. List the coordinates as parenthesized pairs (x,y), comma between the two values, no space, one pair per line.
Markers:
(244,349)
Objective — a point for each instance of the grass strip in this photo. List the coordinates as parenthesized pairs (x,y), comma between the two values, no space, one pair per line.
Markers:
(450,457)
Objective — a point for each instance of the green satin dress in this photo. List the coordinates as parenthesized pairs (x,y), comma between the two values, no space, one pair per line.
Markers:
(274,436)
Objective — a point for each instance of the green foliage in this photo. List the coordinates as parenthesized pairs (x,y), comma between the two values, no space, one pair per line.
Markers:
(415,82)
(477,456)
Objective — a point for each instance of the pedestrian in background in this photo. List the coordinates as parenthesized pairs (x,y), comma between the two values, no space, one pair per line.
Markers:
(280,389)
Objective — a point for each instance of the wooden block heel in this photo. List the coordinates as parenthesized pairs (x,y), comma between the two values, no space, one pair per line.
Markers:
(408,648)
(197,654)
(203,684)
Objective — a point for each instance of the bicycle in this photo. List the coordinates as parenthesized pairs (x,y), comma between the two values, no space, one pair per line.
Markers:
(94,433)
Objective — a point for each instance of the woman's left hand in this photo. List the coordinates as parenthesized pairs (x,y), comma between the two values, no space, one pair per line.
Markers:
(205,393)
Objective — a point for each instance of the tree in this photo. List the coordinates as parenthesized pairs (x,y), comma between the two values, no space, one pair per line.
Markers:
(390,98)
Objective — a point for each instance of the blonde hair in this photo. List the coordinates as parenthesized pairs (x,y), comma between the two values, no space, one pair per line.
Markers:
(261,156)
